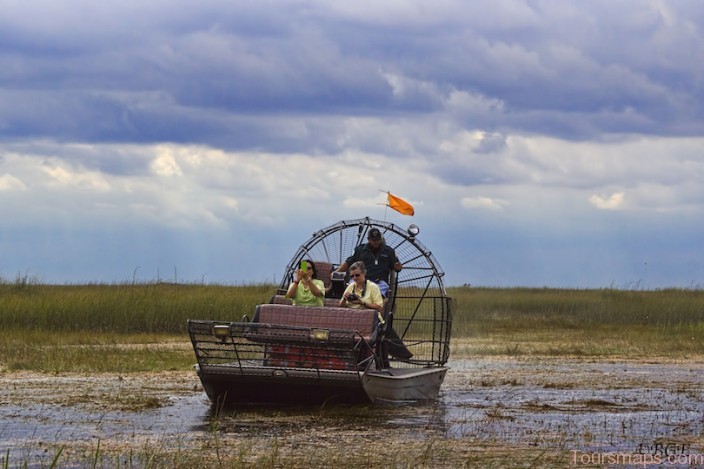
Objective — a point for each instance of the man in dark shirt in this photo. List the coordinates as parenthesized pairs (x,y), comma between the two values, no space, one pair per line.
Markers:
(378,258)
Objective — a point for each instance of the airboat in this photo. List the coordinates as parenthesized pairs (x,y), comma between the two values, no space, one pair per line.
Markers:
(286,354)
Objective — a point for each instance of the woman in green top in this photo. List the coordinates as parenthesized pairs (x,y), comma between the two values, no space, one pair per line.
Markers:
(306,290)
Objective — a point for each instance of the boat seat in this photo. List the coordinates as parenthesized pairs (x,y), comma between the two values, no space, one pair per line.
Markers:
(324,272)
(314,337)
(362,321)
(282,300)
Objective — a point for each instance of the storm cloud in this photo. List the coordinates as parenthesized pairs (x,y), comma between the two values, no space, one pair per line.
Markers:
(197,122)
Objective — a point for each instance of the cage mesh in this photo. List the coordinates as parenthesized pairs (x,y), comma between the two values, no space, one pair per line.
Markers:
(421,308)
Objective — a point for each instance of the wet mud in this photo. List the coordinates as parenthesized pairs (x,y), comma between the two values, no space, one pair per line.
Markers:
(572,407)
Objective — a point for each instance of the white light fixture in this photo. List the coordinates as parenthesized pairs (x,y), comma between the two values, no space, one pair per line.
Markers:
(221,331)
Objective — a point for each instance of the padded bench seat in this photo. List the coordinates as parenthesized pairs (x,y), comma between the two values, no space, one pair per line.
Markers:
(282,300)
(362,321)
(290,333)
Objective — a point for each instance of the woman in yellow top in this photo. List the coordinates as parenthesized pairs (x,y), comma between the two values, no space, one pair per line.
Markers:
(362,293)
(306,290)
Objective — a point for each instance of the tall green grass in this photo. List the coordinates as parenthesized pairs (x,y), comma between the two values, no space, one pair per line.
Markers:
(111,328)
(85,327)
(164,308)
(124,308)
(525,321)
(492,309)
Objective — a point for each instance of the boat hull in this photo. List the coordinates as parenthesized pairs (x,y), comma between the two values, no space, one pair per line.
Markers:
(403,385)
(231,386)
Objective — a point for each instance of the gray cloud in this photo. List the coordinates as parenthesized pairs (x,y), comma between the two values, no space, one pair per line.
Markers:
(199,120)
(187,72)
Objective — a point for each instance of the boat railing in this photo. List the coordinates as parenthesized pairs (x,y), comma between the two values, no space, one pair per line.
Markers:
(283,336)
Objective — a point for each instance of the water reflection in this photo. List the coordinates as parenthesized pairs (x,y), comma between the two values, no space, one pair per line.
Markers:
(415,420)
(55,423)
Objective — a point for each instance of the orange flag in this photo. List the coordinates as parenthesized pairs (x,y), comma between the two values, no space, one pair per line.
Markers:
(400,205)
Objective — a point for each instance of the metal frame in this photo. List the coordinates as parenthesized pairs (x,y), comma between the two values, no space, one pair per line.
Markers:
(419,297)
(248,362)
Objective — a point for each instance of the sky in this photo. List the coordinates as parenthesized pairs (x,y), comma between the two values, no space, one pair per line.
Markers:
(543,143)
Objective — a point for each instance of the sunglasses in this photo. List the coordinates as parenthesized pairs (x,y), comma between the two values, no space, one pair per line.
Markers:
(355,275)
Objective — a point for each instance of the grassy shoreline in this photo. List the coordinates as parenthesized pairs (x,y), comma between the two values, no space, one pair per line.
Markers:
(134,326)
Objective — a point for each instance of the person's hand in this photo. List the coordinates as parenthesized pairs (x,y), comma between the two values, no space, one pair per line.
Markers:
(398,267)
(299,275)
(356,300)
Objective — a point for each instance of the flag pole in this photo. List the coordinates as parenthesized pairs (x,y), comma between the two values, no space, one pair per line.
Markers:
(386,204)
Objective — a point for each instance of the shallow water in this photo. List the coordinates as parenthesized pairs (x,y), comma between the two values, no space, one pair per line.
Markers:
(59,423)
(565,405)
(589,407)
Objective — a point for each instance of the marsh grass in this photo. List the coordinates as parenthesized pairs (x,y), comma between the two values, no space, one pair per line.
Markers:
(522,321)
(526,308)
(142,327)
(265,452)
(97,352)
(124,308)
(111,328)
(126,328)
